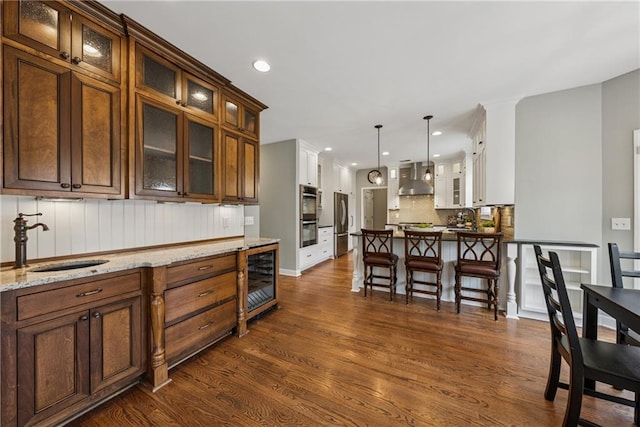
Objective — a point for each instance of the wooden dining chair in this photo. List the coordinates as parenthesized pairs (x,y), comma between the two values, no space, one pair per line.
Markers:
(617,274)
(423,253)
(614,364)
(479,255)
(377,254)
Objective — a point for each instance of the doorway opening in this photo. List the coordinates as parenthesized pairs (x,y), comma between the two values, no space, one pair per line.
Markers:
(374,208)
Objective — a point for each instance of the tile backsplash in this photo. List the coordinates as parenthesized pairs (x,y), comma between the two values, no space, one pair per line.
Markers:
(104,225)
(420,209)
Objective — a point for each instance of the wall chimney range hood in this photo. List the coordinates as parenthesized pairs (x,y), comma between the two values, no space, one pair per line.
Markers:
(415,186)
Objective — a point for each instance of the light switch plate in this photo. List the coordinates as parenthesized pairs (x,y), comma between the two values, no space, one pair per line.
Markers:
(621,223)
(248,220)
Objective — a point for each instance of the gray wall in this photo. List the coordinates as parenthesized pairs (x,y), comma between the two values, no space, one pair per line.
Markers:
(620,117)
(559,166)
(574,164)
(278,198)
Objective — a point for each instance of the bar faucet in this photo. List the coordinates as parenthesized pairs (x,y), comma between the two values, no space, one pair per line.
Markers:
(474,222)
(20,228)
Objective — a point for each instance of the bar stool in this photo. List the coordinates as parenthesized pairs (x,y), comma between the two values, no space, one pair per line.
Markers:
(377,252)
(479,255)
(423,253)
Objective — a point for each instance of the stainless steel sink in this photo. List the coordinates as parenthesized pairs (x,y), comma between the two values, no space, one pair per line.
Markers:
(70,265)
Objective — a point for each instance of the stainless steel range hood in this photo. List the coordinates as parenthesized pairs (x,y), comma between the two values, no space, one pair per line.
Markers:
(416,186)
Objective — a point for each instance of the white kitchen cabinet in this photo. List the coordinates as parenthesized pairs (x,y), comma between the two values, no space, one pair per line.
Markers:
(393,185)
(449,191)
(579,265)
(307,166)
(324,248)
(343,179)
(493,136)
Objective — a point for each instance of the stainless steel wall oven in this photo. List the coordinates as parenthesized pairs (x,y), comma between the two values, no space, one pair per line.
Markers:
(308,216)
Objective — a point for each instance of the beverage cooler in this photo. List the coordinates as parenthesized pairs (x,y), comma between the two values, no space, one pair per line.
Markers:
(260,290)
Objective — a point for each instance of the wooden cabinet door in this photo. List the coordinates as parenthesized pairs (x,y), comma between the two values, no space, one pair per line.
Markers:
(251,169)
(42,25)
(158,167)
(94,48)
(231,167)
(201,159)
(53,366)
(96,147)
(116,342)
(36,123)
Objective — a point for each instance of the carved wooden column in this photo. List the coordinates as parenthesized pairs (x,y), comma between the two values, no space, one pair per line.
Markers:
(242,293)
(358,266)
(512,257)
(158,372)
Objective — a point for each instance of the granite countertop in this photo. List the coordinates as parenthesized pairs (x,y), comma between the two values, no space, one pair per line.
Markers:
(25,277)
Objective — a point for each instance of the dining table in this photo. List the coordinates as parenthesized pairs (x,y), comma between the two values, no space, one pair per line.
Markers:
(623,304)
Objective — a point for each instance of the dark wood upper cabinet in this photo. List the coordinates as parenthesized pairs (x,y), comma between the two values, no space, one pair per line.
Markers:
(239,116)
(66,35)
(158,77)
(61,129)
(241,163)
(176,153)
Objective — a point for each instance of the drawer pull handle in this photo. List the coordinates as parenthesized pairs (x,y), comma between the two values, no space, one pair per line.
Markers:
(86,294)
(204,294)
(205,326)
(204,267)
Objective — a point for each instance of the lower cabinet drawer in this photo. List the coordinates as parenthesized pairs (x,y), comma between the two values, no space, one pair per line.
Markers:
(70,296)
(186,299)
(196,332)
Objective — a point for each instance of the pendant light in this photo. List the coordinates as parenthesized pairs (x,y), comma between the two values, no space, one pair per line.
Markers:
(427,174)
(375,176)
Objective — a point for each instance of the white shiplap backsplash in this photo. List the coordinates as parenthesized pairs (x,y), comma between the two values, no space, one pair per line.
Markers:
(105,225)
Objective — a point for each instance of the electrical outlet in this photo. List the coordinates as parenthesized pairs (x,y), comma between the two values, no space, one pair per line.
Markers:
(621,223)
(248,220)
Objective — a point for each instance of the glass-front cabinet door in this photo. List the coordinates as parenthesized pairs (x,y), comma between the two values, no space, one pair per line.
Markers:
(53,29)
(158,170)
(200,97)
(157,75)
(45,26)
(95,49)
(201,159)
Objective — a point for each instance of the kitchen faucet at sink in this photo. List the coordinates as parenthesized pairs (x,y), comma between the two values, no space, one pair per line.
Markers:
(20,228)
(472,214)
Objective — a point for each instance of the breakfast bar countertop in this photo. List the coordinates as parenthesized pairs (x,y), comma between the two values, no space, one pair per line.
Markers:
(11,278)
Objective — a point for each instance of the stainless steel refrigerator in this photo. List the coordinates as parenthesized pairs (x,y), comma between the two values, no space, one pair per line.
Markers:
(340,224)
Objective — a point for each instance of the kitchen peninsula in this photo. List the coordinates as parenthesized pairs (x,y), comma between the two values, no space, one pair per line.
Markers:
(520,291)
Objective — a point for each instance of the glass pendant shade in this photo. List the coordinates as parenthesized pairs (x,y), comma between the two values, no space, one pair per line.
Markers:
(427,174)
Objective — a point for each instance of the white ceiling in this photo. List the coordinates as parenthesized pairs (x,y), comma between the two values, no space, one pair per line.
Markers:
(339,68)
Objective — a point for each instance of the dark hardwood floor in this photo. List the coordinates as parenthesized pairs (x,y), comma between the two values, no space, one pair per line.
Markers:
(331,357)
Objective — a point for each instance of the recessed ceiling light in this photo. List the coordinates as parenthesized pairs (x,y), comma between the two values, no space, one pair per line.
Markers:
(436,133)
(354,164)
(261,65)
(385,153)
(328,149)
(436,155)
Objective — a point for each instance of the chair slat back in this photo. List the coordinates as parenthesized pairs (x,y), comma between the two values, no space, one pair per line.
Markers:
(480,248)
(377,241)
(617,273)
(423,244)
(557,301)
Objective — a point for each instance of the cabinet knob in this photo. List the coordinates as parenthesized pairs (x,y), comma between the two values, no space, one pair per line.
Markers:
(184,104)
(84,318)
(97,315)
(76,60)
(185,194)
(178,102)
(65,185)
(64,55)
(76,185)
